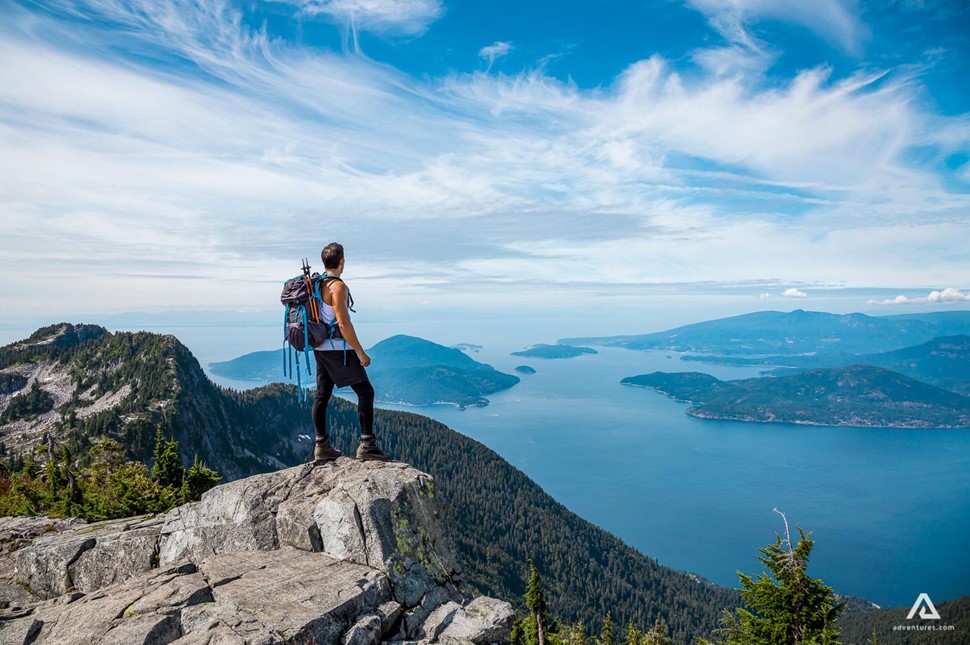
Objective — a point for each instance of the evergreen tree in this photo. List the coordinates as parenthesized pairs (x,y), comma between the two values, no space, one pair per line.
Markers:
(657,635)
(789,607)
(633,635)
(535,627)
(167,468)
(197,480)
(606,633)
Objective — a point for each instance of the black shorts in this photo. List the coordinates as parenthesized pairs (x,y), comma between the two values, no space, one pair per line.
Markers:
(332,361)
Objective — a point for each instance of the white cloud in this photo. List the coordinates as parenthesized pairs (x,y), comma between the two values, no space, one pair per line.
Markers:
(948,295)
(764,296)
(496,50)
(833,20)
(407,17)
(794,293)
(120,169)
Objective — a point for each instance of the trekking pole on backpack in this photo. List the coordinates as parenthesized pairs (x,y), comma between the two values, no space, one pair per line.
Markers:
(312,303)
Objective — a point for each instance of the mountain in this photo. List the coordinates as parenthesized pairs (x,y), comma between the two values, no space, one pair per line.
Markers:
(795,332)
(405,369)
(858,395)
(857,626)
(558,350)
(944,362)
(125,384)
(414,371)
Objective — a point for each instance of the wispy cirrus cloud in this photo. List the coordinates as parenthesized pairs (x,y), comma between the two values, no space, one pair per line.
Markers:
(394,17)
(254,151)
(834,20)
(494,51)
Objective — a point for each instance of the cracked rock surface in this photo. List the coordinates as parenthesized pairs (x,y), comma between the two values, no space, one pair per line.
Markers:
(350,552)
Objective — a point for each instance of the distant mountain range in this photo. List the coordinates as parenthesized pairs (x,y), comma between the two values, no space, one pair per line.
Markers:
(558,350)
(944,362)
(795,332)
(858,395)
(405,369)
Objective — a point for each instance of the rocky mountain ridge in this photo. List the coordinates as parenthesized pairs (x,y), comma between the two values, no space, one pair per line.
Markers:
(124,386)
(349,552)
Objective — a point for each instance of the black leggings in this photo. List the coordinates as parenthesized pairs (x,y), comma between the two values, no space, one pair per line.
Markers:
(365,407)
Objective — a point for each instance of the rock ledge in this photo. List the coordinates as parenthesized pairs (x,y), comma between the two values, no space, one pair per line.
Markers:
(350,553)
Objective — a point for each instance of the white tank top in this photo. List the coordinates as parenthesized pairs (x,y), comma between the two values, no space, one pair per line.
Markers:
(328,315)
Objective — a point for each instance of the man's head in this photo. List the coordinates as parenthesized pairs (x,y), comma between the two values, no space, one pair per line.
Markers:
(332,255)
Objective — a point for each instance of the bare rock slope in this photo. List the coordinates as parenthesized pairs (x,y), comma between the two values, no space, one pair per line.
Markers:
(350,553)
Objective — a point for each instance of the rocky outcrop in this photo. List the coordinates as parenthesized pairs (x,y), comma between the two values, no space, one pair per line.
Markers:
(347,553)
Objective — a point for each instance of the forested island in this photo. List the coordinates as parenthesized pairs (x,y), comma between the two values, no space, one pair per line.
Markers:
(858,395)
(405,369)
(558,350)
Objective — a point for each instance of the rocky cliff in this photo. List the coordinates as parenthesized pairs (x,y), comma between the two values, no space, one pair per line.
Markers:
(350,552)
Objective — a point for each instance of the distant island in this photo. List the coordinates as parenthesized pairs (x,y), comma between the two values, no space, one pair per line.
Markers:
(558,350)
(468,347)
(943,362)
(795,332)
(405,370)
(857,395)
(414,371)
(525,369)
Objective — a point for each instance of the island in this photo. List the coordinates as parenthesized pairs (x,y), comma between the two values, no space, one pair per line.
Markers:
(525,369)
(405,370)
(857,395)
(414,371)
(468,347)
(558,350)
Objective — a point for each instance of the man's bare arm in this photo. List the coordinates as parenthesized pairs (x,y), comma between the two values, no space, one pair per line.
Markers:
(339,291)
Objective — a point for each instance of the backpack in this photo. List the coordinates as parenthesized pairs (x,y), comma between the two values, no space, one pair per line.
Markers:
(303,327)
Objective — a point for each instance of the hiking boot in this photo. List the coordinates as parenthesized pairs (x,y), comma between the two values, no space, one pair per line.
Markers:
(324,453)
(371,453)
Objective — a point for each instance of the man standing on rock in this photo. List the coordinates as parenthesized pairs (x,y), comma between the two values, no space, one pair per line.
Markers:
(341,361)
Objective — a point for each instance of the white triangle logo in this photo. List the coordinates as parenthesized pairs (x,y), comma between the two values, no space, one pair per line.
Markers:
(926,608)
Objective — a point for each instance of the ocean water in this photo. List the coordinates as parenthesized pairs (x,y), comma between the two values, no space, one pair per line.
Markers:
(889,508)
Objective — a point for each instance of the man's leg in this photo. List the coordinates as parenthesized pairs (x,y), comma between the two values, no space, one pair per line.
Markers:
(323,451)
(368,449)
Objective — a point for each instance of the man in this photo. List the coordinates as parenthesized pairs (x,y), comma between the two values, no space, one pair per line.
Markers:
(340,362)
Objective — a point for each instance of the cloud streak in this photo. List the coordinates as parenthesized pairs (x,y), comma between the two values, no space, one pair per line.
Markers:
(496,50)
(120,167)
(946,296)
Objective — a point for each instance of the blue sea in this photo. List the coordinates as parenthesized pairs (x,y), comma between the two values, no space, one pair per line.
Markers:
(889,508)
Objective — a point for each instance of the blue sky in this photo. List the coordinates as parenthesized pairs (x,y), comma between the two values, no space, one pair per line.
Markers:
(753,154)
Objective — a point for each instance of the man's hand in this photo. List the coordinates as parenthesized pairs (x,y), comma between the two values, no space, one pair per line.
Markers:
(364,358)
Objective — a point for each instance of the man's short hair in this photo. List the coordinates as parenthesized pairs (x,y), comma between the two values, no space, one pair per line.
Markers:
(331,255)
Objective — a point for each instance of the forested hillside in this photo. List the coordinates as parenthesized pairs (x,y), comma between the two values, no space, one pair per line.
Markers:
(500,518)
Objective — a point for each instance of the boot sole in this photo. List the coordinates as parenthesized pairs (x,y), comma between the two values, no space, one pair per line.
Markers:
(373,458)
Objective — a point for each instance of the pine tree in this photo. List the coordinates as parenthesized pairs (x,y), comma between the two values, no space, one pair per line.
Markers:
(534,602)
(657,635)
(633,635)
(606,633)
(167,468)
(789,607)
(197,480)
